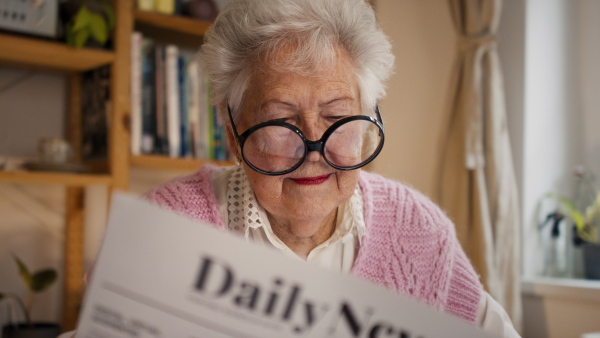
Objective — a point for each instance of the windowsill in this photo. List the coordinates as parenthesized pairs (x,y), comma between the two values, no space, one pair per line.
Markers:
(566,288)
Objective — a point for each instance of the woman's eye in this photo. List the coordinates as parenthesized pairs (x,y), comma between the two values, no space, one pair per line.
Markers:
(281,119)
(336,117)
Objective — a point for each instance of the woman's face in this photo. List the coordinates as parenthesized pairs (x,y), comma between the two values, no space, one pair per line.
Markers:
(304,198)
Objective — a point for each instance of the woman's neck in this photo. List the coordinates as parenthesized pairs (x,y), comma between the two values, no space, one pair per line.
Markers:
(300,245)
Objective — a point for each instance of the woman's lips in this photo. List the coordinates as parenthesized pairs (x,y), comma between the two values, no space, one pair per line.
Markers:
(311,180)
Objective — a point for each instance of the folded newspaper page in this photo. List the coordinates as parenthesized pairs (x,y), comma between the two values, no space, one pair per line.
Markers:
(160,274)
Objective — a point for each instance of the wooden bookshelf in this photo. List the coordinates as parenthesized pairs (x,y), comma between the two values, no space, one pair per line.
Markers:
(173,23)
(38,53)
(169,163)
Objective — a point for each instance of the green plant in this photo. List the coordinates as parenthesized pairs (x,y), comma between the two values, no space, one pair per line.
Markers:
(585,221)
(34,282)
(93,20)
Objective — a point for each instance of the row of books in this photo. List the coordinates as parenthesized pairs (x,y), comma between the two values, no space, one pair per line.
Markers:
(171,113)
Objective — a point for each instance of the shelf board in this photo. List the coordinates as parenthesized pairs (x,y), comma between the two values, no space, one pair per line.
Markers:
(173,22)
(165,162)
(45,54)
(43,177)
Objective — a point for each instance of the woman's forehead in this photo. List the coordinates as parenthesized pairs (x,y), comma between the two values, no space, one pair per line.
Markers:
(318,87)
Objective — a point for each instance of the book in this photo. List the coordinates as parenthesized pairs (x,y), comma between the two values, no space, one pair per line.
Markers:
(183,81)
(136,93)
(220,142)
(172,100)
(204,121)
(161,141)
(148,95)
(194,98)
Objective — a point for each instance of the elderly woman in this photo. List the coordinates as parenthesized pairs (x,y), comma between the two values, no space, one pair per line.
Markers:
(298,83)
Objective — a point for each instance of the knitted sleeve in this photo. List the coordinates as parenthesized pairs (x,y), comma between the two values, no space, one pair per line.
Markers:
(411,247)
(190,195)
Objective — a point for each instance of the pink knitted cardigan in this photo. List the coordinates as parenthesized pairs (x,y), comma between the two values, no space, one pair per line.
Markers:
(409,246)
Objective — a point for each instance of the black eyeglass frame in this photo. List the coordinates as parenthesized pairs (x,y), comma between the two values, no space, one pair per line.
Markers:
(309,146)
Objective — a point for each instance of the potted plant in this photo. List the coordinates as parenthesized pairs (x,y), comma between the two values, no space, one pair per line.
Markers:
(34,283)
(584,213)
(88,23)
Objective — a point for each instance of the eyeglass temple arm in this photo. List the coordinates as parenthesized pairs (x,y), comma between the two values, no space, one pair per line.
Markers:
(235,133)
(376,112)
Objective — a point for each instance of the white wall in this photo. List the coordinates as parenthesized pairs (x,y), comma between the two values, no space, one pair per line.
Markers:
(589,74)
(552,125)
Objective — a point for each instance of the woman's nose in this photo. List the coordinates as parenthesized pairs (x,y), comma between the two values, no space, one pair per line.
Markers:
(313,156)
(311,130)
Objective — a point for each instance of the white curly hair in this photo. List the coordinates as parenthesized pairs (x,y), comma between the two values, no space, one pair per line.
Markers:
(247,32)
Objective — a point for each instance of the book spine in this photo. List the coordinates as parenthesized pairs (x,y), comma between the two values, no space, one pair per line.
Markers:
(165,6)
(183,105)
(148,96)
(146,5)
(194,106)
(204,117)
(220,148)
(172,98)
(136,93)
(161,146)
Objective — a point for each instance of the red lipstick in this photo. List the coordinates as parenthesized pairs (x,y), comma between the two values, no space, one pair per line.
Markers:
(311,180)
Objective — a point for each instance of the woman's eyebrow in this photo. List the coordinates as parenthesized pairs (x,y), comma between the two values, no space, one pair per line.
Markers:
(277,101)
(336,100)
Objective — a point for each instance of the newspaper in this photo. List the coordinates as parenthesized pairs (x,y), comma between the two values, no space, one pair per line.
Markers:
(160,274)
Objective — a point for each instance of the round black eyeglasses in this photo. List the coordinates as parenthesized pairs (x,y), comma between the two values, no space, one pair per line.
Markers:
(276,147)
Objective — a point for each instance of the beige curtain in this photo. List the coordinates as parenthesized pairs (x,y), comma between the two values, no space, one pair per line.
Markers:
(477,183)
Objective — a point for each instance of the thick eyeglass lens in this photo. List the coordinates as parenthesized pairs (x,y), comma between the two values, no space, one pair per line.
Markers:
(276,148)
(273,148)
(352,143)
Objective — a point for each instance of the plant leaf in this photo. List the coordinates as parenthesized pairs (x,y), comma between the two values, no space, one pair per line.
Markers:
(41,280)
(69,34)
(109,13)
(80,37)
(82,18)
(582,220)
(98,28)
(23,272)
(569,210)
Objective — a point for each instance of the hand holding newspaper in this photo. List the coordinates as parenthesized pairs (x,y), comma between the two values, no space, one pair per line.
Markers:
(162,275)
